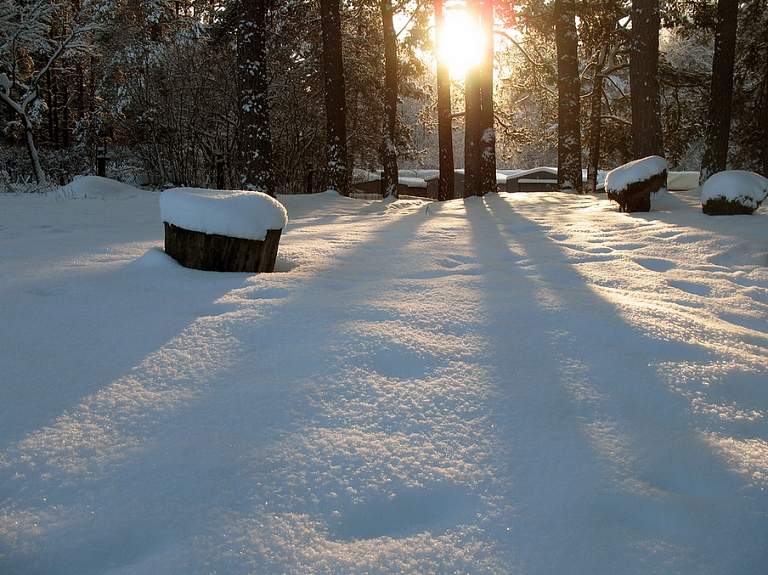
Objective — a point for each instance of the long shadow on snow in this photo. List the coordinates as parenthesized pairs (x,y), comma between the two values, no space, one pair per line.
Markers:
(73,458)
(197,466)
(604,452)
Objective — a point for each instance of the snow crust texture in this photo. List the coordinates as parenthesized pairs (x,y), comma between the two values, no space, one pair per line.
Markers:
(525,384)
(234,213)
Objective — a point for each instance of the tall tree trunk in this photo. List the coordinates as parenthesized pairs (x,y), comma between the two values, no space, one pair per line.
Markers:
(721,91)
(763,116)
(335,97)
(487,144)
(647,135)
(255,134)
(34,157)
(65,128)
(389,152)
(80,75)
(446,180)
(50,106)
(595,121)
(21,110)
(568,120)
(473,131)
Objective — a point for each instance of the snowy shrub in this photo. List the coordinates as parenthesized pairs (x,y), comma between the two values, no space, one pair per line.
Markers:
(60,167)
(733,192)
(632,184)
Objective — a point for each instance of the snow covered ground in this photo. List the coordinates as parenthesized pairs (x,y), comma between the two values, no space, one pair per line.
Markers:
(526,383)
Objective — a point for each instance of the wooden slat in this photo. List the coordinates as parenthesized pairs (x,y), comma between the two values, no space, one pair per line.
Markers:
(213,252)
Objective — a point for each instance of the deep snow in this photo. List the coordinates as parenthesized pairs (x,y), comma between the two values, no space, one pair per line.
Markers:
(525,383)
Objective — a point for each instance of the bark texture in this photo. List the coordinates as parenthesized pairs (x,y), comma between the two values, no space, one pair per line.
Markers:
(472,117)
(389,152)
(568,101)
(595,122)
(487,131)
(715,156)
(446,179)
(255,134)
(480,138)
(647,135)
(337,171)
(217,253)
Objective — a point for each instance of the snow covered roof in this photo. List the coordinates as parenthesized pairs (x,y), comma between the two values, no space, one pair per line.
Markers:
(403,176)
(680,181)
(412,182)
(234,213)
(746,187)
(533,171)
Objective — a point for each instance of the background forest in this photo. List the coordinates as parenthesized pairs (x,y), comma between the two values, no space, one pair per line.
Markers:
(162,92)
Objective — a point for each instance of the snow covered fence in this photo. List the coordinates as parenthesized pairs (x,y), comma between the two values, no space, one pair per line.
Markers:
(733,192)
(632,184)
(222,230)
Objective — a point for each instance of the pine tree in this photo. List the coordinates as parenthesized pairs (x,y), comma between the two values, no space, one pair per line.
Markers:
(253,88)
(479,135)
(335,97)
(389,153)
(647,137)
(445,189)
(487,145)
(472,117)
(568,120)
(721,91)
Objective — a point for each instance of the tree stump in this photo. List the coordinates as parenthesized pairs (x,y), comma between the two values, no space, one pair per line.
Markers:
(222,230)
(733,192)
(633,184)
(216,253)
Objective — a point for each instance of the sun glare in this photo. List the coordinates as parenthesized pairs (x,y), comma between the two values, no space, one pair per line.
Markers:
(460,43)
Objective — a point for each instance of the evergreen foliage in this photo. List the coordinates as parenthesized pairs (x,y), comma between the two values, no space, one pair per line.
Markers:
(153,89)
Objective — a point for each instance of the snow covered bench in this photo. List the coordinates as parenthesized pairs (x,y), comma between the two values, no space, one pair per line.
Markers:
(222,230)
(632,184)
(733,192)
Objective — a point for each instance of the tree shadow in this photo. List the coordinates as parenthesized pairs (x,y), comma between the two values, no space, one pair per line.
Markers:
(579,380)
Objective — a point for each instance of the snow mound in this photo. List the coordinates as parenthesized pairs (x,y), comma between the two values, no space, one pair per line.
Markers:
(620,178)
(234,213)
(95,187)
(740,186)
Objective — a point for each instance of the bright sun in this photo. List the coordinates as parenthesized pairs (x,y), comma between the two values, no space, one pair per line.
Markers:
(460,43)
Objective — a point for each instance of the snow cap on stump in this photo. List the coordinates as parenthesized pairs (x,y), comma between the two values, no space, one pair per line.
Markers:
(633,184)
(234,213)
(733,192)
(620,178)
